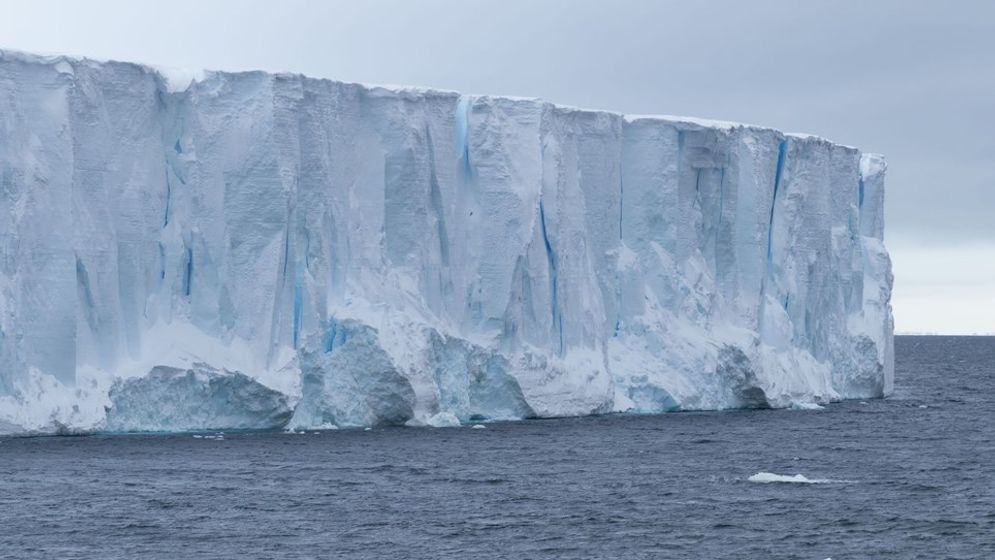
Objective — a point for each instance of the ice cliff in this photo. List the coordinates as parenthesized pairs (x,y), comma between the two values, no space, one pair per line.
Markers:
(386,255)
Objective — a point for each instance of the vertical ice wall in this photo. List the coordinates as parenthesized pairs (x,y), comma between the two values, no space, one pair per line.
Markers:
(496,257)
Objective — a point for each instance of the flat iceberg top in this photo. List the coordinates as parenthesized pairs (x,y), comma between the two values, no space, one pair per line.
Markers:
(178,80)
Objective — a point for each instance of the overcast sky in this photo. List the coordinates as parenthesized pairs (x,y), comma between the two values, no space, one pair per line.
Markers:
(913,80)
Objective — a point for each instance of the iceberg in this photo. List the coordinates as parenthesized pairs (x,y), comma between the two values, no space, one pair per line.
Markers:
(400,255)
(200,398)
(771,478)
(351,381)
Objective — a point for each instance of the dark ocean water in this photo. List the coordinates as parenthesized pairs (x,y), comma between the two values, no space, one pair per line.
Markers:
(915,478)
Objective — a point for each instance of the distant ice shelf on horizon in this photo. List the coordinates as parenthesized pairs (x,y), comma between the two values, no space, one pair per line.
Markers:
(299,252)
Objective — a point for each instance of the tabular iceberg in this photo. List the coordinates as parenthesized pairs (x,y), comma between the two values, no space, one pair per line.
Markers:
(405,255)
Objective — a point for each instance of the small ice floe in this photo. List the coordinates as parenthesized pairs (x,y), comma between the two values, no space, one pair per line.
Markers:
(197,436)
(767,478)
(367,429)
(923,406)
(802,405)
(444,420)
(863,402)
(478,426)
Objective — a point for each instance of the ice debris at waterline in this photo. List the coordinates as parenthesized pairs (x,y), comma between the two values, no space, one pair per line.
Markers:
(381,255)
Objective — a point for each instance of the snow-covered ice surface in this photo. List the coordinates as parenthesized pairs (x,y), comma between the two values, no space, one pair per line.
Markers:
(388,255)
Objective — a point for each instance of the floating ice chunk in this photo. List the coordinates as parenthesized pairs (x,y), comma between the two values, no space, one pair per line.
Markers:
(199,398)
(444,420)
(806,405)
(478,427)
(766,478)
(349,380)
(474,383)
